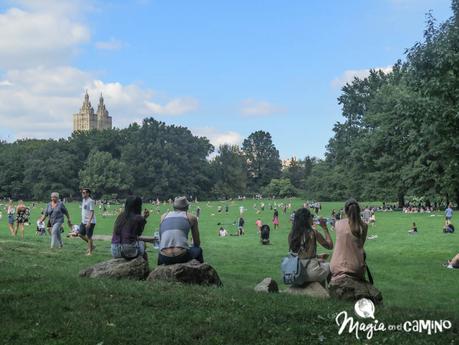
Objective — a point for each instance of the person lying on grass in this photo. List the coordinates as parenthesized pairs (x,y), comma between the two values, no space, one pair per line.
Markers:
(173,235)
(129,226)
(453,263)
(303,240)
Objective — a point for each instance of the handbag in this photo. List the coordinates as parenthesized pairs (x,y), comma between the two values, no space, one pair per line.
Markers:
(291,268)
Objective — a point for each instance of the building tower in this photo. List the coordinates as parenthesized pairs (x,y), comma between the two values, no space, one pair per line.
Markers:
(86,119)
(103,120)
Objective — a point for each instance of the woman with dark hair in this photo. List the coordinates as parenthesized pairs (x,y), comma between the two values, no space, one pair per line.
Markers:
(128,227)
(276,219)
(348,261)
(303,240)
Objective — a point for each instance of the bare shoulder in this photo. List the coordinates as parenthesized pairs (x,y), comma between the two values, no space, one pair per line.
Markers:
(192,218)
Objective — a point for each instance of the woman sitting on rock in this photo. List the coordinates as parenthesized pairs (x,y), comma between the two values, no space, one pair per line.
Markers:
(128,227)
(303,240)
(348,261)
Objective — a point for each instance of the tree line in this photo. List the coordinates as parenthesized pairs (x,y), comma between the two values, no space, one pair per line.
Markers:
(400,133)
(153,160)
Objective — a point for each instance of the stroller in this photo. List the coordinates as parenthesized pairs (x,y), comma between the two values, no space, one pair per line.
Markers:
(264,234)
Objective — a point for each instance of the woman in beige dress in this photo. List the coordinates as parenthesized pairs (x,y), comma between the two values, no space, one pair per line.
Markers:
(348,265)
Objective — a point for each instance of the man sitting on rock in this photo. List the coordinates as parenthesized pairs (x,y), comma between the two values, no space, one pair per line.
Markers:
(173,235)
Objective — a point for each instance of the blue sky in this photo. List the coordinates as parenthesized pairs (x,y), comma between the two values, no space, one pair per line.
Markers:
(222,68)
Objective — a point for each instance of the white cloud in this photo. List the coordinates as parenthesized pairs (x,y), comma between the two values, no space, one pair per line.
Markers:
(5,83)
(251,107)
(217,137)
(112,44)
(40,90)
(176,106)
(349,75)
(38,37)
(39,102)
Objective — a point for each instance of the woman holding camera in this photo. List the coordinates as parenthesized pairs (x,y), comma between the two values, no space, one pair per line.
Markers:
(303,240)
(348,261)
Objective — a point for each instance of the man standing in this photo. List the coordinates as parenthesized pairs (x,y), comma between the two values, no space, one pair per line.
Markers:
(88,219)
(448,214)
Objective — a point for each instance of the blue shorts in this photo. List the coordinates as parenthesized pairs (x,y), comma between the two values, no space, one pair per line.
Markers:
(117,249)
(10,219)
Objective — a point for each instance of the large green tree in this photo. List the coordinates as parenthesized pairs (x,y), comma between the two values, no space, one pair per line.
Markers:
(229,172)
(262,159)
(105,175)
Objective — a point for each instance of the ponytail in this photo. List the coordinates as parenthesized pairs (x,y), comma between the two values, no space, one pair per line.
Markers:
(352,210)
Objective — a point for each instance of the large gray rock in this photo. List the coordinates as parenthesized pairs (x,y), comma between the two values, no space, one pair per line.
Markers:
(314,290)
(118,268)
(267,285)
(192,272)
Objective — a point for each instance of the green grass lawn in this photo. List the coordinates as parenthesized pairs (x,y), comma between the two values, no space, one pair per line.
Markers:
(43,301)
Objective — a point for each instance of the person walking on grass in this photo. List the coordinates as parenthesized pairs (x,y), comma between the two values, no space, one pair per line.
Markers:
(448,214)
(56,211)
(21,218)
(11,211)
(276,219)
(88,219)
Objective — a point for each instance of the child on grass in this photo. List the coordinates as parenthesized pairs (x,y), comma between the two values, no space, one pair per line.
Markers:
(414,229)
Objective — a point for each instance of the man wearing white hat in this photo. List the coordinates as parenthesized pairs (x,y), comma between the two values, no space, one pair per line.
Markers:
(173,235)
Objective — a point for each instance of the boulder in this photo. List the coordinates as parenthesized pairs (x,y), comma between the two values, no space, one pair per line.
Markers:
(314,290)
(351,289)
(192,272)
(118,268)
(267,285)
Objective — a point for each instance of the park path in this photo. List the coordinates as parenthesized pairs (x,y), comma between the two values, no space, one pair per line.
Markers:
(102,237)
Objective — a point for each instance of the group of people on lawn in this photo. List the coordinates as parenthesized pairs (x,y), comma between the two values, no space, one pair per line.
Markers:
(347,262)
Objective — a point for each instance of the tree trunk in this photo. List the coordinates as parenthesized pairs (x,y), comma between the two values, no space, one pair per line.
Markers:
(401,200)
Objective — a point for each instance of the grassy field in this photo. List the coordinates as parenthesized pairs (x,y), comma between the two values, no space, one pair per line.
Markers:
(43,301)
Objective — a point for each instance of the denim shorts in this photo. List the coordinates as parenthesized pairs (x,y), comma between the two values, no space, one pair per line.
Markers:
(117,249)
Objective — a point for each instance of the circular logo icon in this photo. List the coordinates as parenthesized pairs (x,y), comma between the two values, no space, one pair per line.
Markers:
(365,308)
